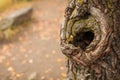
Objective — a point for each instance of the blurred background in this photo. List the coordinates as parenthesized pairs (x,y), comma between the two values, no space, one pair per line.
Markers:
(29,44)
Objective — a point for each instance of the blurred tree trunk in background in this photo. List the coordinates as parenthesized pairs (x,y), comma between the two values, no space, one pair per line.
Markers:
(90,38)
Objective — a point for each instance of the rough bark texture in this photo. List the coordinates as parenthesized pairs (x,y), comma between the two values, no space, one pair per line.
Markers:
(90,38)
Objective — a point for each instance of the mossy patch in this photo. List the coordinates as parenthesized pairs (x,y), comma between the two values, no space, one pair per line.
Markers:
(80,1)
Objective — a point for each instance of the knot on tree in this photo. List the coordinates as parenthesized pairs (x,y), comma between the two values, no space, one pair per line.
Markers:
(85,38)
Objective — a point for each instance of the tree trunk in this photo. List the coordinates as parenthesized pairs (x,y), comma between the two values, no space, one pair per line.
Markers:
(90,38)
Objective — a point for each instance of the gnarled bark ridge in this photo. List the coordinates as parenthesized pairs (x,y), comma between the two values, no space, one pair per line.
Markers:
(90,38)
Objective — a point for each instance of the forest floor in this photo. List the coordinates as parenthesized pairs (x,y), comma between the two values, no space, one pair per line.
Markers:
(35,50)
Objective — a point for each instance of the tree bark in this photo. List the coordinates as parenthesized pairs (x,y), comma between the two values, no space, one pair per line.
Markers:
(90,38)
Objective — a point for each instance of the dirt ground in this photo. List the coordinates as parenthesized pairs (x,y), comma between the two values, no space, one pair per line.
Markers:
(34,53)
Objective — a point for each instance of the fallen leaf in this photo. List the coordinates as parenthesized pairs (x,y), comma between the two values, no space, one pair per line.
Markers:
(47,71)
(30,61)
(51,79)
(2,58)
(18,75)
(10,69)
(61,68)
(63,74)
(32,76)
(42,78)
(59,60)
(47,56)
(53,52)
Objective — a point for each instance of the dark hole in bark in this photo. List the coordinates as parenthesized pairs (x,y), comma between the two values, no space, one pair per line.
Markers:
(86,15)
(83,39)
